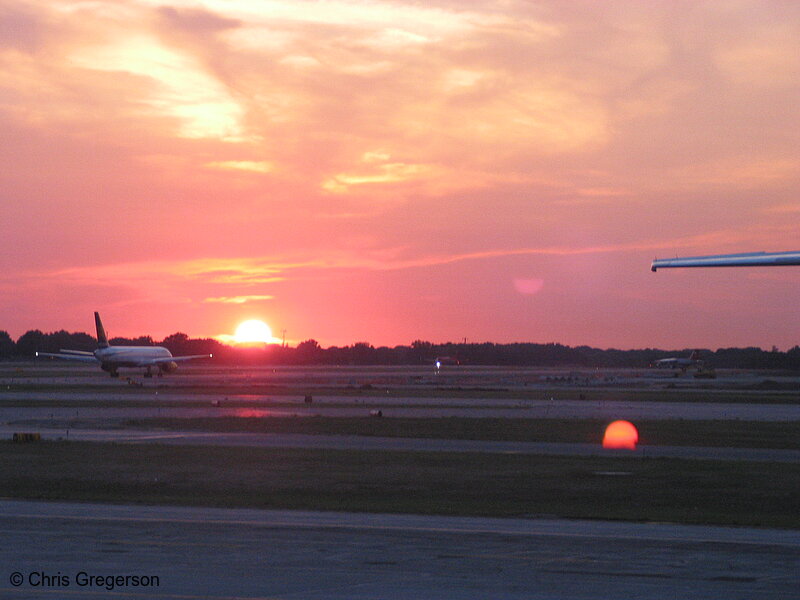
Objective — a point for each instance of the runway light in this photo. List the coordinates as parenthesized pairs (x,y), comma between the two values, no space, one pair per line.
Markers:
(621,434)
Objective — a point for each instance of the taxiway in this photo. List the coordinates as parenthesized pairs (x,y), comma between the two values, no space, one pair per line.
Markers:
(209,553)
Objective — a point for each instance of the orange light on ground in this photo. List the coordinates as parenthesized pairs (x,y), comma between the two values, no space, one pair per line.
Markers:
(621,434)
(250,413)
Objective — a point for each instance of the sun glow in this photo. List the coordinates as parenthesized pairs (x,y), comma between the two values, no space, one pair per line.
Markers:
(621,434)
(252,331)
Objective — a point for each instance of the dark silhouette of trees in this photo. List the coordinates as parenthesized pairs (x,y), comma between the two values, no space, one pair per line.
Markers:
(362,353)
(419,352)
(181,344)
(35,341)
(72,341)
(422,352)
(144,340)
(31,342)
(7,346)
(308,352)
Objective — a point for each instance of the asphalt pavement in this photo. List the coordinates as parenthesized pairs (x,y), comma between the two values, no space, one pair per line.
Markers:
(67,550)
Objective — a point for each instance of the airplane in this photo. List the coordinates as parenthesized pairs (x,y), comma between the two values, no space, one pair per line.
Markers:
(679,363)
(746,259)
(111,358)
(750,259)
(446,360)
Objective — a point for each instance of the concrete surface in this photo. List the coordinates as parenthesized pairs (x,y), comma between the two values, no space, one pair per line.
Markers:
(224,553)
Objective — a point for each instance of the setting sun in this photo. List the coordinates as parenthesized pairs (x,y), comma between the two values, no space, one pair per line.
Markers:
(252,331)
(621,434)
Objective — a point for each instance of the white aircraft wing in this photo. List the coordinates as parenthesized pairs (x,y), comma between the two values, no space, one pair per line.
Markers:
(169,359)
(751,259)
(87,358)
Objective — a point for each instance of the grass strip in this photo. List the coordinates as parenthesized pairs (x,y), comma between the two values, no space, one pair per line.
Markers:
(714,492)
(669,432)
(393,390)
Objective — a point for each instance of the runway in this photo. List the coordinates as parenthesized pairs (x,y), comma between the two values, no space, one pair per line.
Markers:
(237,554)
(225,554)
(60,373)
(63,405)
(365,443)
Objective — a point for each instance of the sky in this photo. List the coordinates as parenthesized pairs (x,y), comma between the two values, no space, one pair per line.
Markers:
(386,171)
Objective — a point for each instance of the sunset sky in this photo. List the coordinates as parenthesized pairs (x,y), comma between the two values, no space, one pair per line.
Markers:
(386,171)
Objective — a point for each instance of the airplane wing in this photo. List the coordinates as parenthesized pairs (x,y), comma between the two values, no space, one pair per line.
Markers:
(169,359)
(752,259)
(73,355)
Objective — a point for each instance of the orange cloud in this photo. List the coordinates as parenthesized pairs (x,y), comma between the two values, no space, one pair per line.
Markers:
(239,299)
(242,165)
(210,157)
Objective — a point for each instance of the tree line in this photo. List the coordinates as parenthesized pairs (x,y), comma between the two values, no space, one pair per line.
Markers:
(419,352)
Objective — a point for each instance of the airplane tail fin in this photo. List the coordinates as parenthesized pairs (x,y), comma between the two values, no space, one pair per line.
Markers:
(695,355)
(102,340)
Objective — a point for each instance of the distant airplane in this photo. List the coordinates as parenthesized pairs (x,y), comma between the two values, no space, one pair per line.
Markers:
(446,360)
(110,358)
(679,363)
(751,259)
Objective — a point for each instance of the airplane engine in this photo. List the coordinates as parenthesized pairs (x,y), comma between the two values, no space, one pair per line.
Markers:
(169,367)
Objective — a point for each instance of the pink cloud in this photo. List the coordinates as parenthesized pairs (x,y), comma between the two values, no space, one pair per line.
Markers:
(349,160)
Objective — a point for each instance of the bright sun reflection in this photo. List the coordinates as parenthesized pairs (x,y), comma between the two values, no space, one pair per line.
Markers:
(252,331)
(621,434)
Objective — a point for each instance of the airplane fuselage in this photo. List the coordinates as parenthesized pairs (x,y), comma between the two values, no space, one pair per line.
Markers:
(674,363)
(129,356)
